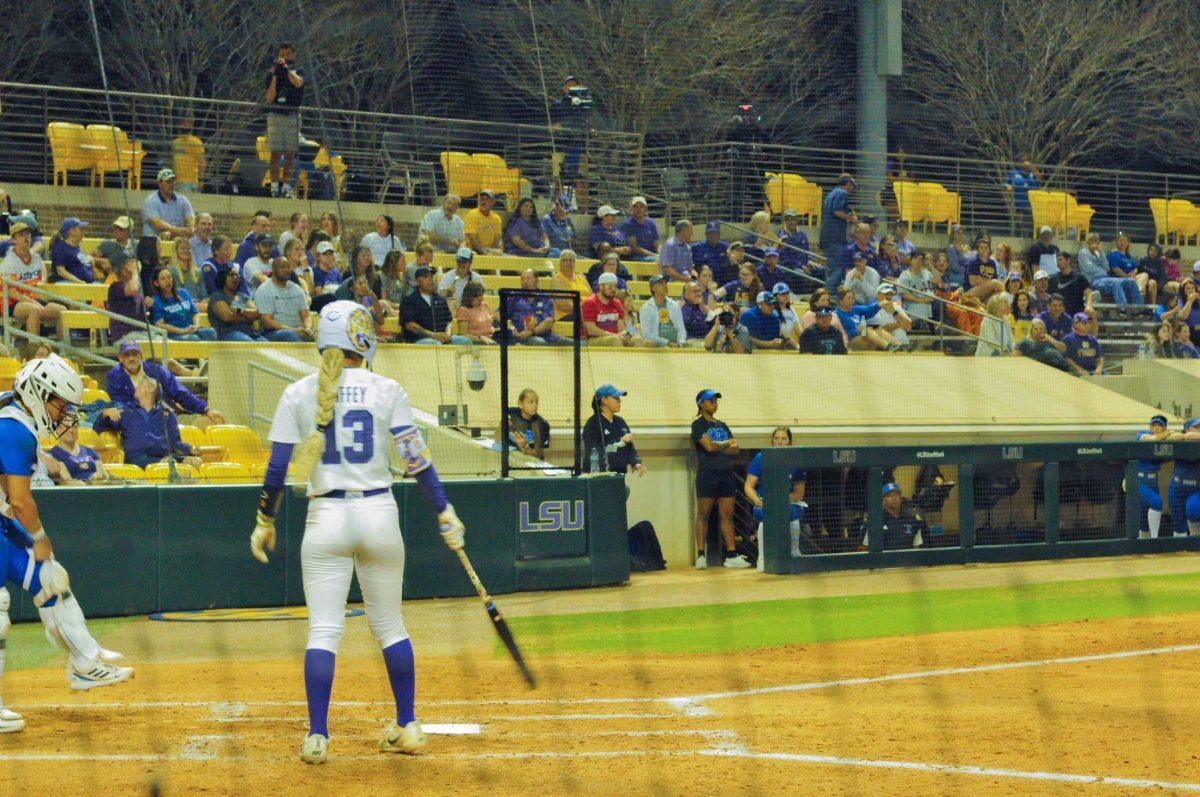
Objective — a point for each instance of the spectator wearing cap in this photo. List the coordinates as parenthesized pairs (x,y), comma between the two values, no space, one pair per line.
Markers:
(531,317)
(768,271)
(836,216)
(763,322)
(454,281)
(566,278)
(608,435)
(789,321)
(695,315)
(426,314)
(326,276)
(483,226)
(916,288)
(662,317)
(901,528)
(442,227)
(257,269)
(891,318)
(260,224)
(604,232)
(1040,291)
(283,306)
(523,236)
(68,263)
(818,299)
(983,274)
(711,251)
(149,430)
(1083,352)
(731,267)
(823,337)
(228,312)
(173,310)
(201,242)
(165,212)
(122,240)
(794,247)
(604,316)
(1020,181)
(1055,318)
(558,228)
(858,249)
(125,299)
(1093,265)
(24,265)
(1043,253)
(862,278)
(29,219)
(1069,284)
(640,231)
(131,370)
(675,260)
(1121,266)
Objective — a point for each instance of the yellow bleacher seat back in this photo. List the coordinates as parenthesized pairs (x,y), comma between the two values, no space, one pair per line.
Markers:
(95,395)
(461,175)
(120,470)
(116,153)
(1158,209)
(192,435)
(241,443)
(71,149)
(8,370)
(161,471)
(225,472)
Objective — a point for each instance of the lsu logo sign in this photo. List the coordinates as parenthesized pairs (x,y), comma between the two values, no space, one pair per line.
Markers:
(550,516)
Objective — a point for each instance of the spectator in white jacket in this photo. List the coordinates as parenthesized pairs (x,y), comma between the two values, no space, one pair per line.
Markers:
(662,317)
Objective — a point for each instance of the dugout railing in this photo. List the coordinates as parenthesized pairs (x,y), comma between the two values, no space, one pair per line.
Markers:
(971,503)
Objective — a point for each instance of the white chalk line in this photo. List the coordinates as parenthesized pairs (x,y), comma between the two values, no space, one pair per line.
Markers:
(461,720)
(682,702)
(720,752)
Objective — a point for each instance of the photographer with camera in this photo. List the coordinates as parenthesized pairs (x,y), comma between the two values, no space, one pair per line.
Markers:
(571,112)
(285,90)
(727,335)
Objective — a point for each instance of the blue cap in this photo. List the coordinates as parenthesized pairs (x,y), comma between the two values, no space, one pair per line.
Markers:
(890,487)
(706,395)
(771,251)
(712,226)
(70,223)
(1190,422)
(610,391)
(764,297)
(1161,420)
(1081,318)
(781,288)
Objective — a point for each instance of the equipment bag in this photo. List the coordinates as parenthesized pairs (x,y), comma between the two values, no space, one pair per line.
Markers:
(644,551)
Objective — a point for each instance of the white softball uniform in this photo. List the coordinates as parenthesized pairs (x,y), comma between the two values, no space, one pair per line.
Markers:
(353,523)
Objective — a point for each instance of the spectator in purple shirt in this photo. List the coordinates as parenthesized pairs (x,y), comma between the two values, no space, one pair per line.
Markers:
(259,225)
(769,271)
(531,319)
(983,273)
(125,299)
(640,232)
(1058,323)
(132,369)
(604,231)
(794,247)
(523,236)
(609,262)
(711,251)
(559,229)
(67,262)
(695,315)
(83,463)
(675,262)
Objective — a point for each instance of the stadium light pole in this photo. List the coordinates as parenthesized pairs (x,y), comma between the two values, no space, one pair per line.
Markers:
(879,56)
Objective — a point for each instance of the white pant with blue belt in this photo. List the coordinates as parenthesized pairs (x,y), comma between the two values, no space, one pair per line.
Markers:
(341,536)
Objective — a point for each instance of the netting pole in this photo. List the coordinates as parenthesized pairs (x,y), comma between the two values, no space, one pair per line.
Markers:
(575,343)
(504,343)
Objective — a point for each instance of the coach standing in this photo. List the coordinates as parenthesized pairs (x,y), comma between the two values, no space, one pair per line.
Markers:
(715,481)
(607,439)
(285,90)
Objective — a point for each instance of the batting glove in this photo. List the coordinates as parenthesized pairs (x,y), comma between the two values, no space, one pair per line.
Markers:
(262,539)
(452,529)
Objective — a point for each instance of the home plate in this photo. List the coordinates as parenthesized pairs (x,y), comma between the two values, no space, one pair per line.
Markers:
(453,729)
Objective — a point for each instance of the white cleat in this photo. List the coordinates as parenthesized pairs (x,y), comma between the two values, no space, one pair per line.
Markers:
(315,749)
(409,740)
(701,562)
(739,562)
(99,675)
(10,721)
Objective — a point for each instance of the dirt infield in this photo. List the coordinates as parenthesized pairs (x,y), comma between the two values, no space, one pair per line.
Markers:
(957,713)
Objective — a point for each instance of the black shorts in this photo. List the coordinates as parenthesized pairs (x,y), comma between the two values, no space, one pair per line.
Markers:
(716,484)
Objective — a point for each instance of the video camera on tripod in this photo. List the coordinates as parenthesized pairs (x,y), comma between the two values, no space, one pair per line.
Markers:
(580,97)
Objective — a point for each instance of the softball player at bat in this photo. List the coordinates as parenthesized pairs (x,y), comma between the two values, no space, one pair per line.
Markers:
(44,397)
(1183,492)
(339,423)
(1149,498)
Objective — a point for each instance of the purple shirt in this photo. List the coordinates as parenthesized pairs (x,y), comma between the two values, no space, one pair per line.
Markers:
(522,311)
(975,267)
(1056,329)
(695,320)
(529,232)
(645,233)
(63,254)
(81,466)
(128,306)
(787,255)
(676,255)
(599,234)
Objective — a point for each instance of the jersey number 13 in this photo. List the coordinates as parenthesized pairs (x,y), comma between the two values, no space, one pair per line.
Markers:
(361,447)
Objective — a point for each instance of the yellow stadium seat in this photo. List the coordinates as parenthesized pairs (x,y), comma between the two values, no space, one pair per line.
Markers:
(786,191)
(89,438)
(225,472)
(110,449)
(913,201)
(116,154)
(258,471)
(1046,212)
(262,150)
(1183,219)
(161,471)
(1079,217)
(71,149)
(462,175)
(8,370)
(95,395)
(123,471)
(242,444)
(192,435)
(494,174)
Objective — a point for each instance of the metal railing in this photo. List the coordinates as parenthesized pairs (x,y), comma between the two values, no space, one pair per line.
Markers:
(382,152)
(727,180)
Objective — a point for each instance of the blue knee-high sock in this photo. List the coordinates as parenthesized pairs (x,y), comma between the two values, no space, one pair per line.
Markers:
(403,676)
(318,683)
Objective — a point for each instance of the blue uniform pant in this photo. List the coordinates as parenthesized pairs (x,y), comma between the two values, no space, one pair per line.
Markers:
(1149,498)
(1183,496)
(16,548)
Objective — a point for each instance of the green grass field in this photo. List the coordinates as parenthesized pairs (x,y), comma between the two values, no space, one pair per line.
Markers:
(732,627)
